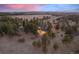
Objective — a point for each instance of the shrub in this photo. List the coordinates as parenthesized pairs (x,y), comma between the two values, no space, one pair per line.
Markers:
(8,26)
(38,43)
(44,49)
(53,35)
(67,39)
(44,39)
(34,43)
(55,46)
(76,52)
(57,27)
(22,40)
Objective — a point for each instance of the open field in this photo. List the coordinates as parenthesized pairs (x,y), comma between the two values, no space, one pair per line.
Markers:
(19,36)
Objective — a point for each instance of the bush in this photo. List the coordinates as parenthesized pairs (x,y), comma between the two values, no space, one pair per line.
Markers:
(8,26)
(76,52)
(55,46)
(34,43)
(53,35)
(70,30)
(38,44)
(67,39)
(44,39)
(57,27)
(22,40)
(44,49)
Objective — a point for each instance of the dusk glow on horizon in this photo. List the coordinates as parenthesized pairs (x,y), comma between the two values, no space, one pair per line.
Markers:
(39,7)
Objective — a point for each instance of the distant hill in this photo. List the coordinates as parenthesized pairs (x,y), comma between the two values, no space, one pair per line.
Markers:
(38,13)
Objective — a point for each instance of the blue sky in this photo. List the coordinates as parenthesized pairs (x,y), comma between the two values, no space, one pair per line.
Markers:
(61,7)
(39,7)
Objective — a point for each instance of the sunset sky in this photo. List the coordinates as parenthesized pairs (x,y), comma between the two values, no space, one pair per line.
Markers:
(39,7)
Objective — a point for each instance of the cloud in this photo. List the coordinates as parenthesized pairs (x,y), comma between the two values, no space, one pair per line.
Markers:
(28,7)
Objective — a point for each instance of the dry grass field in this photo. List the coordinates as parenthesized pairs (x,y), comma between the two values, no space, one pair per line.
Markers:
(22,43)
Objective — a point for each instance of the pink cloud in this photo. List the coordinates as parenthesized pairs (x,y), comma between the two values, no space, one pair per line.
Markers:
(28,7)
